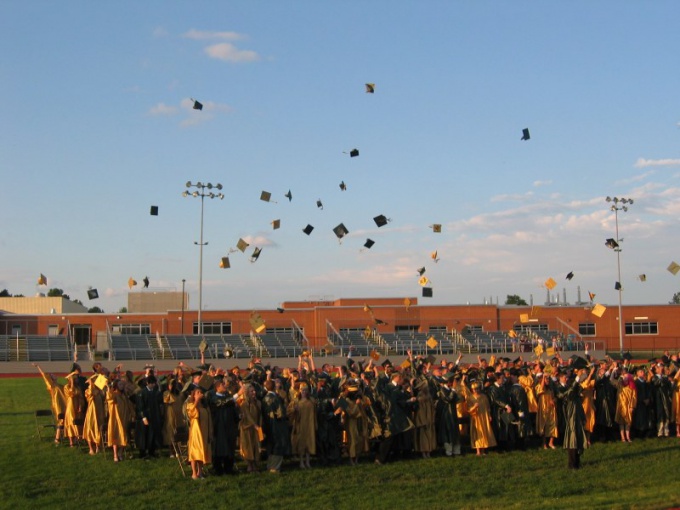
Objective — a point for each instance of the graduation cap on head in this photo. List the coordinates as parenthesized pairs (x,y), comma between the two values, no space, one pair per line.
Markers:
(642,277)
(436,228)
(340,231)
(381,220)
(224,263)
(343,186)
(369,243)
(289,196)
(276,224)
(673,268)
(197,105)
(421,271)
(146,282)
(92,294)
(308,229)
(570,275)
(525,134)
(386,363)
(319,204)
(370,88)
(611,243)
(265,196)
(427,291)
(154,210)
(42,279)
(255,254)
(132,282)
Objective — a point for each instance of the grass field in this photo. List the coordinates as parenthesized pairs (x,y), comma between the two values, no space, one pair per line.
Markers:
(36,474)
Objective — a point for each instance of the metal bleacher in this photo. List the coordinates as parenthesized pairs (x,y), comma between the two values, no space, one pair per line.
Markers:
(35,348)
(131,347)
(280,345)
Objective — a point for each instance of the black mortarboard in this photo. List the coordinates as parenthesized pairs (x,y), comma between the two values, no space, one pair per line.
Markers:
(617,286)
(146,282)
(224,263)
(289,196)
(308,229)
(427,291)
(343,186)
(154,210)
(353,153)
(265,196)
(381,220)
(525,134)
(370,88)
(369,243)
(578,362)
(386,363)
(280,310)
(255,254)
(197,105)
(276,224)
(92,294)
(611,243)
(570,275)
(319,204)
(421,271)
(341,231)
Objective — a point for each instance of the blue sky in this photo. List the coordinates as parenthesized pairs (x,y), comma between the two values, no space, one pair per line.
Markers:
(96,126)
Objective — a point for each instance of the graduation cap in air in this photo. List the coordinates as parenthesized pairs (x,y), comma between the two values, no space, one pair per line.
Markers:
(378,322)
(132,282)
(611,243)
(42,279)
(276,224)
(369,243)
(673,268)
(427,291)
(255,254)
(525,134)
(381,220)
(343,186)
(341,231)
(289,196)
(370,88)
(578,362)
(280,310)
(197,105)
(421,271)
(617,286)
(92,294)
(423,280)
(224,263)
(434,256)
(642,277)
(154,210)
(436,228)
(353,153)
(319,204)
(146,282)
(241,246)
(598,310)
(308,229)
(591,295)
(266,196)
(550,283)
(257,322)
(570,275)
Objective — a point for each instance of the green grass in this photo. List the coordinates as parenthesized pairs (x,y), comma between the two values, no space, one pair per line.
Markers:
(36,474)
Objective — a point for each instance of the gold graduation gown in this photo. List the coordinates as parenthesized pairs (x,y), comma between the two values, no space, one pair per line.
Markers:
(94,418)
(173,416)
(75,409)
(675,414)
(625,403)
(57,399)
(119,418)
(200,425)
(303,437)
(481,433)
(527,382)
(588,396)
(251,421)
(546,416)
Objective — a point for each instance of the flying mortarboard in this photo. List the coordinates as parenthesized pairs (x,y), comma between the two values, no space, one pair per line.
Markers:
(308,229)
(550,283)
(617,286)
(525,134)
(427,291)
(289,196)
(370,88)
(276,224)
(92,294)
(132,282)
(257,322)
(146,282)
(353,153)
(524,318)
(197,105)
(642,277)
(42,279)
(433,256)
(381,220)
(578,362)
(241,245)
(436,228)
(319,204)
(611,243)
(265,196)
(369,243)
(203,346)
(280,310)
(224,263)
(340,231)
(423,280)
(343,186)
(255,254)
(591,295)
(674,267)
(421,271)
(375,355)
(154,210)
(598,310)
(570,275)
(432,342)
(512,334)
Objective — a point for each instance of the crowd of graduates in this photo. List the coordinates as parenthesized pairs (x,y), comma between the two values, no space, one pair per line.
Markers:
(362,410)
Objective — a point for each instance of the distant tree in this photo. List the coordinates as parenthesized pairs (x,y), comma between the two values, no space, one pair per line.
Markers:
(77,301)
(515,300)
(57,293)
(5,293)
(123,309)
(676,299)
(95,309)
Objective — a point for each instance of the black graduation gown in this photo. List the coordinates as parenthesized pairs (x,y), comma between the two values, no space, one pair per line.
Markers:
(276,427)
(520,408)
(663,393)
(498,398)
(149,406)
(447,416)
(225,424)
(569,398)
(642,412)
(605,402)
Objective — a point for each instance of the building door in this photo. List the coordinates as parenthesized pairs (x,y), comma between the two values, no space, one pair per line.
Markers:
(81,334)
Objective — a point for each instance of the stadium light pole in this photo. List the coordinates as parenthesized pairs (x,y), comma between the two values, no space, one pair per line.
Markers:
(625,204)
(201,192)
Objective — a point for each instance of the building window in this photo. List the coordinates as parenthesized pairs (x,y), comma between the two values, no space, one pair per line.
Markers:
(437,329)
(586,329)
(642,328)
(530,327)
(53,330)
(213,328)
(406,329)
(131,329)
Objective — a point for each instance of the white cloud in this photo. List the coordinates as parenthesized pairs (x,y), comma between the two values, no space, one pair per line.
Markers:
(538,184)
(207,35)
(517,197)
(230,53)
(163,109)
(635,178)
(643,163)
